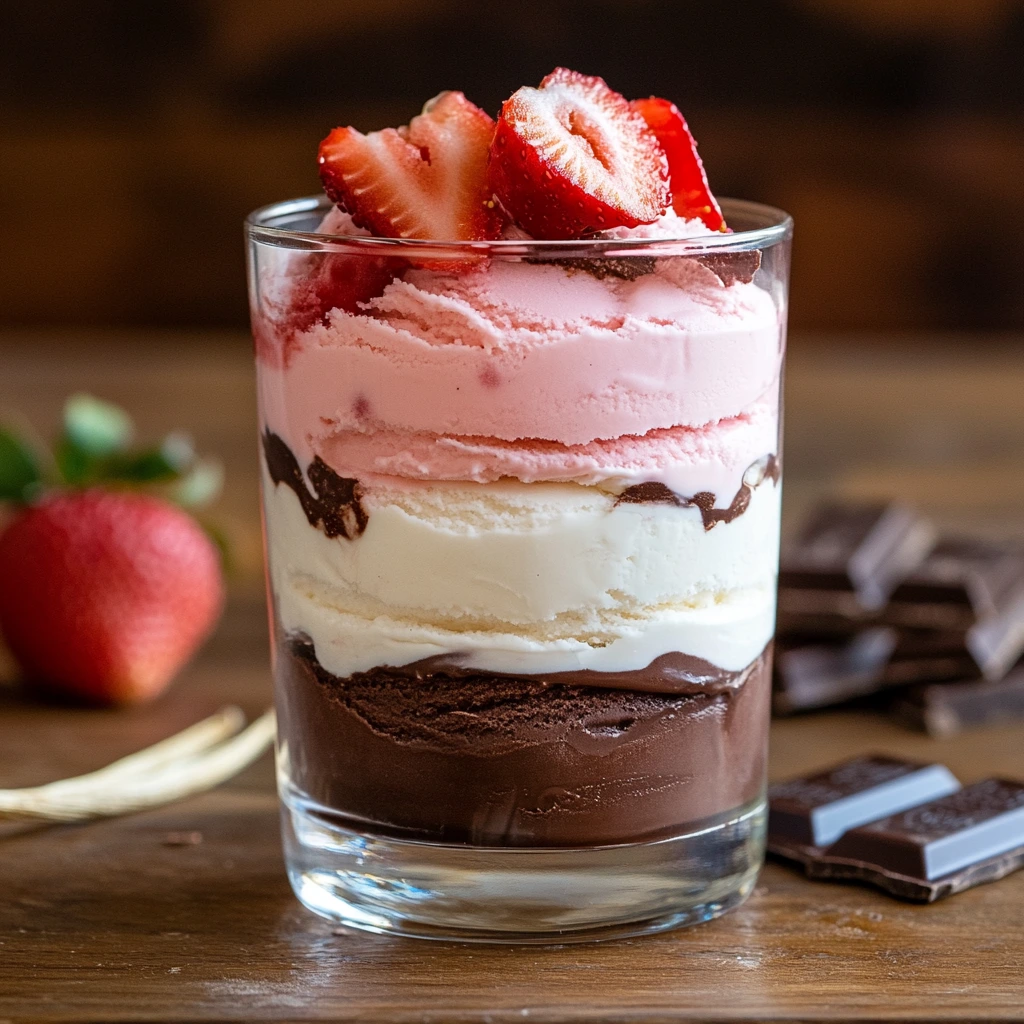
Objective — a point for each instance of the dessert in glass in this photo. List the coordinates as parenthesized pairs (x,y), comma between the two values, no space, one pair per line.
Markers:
(519,416)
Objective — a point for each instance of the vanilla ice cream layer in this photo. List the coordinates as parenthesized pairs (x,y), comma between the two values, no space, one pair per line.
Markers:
(728,630)
(541,575)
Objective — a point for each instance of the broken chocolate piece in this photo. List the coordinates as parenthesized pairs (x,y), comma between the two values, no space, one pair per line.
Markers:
(867,549)
(944,709)
(335,505)
(820,675)
(936,849)
(626,268)
(730,267)
(996,643)
(959,583)
(807,814)
(972,592)
(928,657)
(816,616)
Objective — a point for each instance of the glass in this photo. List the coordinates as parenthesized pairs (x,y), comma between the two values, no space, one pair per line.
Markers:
(521,506)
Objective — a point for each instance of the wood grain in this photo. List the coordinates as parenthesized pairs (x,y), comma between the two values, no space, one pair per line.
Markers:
(112,922)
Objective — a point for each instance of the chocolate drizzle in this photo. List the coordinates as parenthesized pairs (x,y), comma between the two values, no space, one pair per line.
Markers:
(335,507)
(654,493)
(730,267)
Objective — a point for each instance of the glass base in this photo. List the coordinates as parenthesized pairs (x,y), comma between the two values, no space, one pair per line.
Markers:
(521,895)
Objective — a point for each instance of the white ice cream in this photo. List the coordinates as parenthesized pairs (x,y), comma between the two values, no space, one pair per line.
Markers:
(526,578)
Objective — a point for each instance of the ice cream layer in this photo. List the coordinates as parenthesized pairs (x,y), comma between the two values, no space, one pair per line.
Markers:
(519,350)
(525,578)
(687,460)
(493,422)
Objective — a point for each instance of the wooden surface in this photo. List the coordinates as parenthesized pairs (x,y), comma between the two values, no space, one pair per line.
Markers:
(110,922)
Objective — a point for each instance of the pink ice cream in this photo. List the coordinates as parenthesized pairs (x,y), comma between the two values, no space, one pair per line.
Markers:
(539,372)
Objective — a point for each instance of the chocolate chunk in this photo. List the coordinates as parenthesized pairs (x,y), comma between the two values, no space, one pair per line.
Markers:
(730,267)
(653,492)
(626,268)
(996,643)
(959,583)
(811,675)
(807,814)
(866,549)
(935,849)
(928,657)
(944,709)
(335,507)
(811,616)
(819,675)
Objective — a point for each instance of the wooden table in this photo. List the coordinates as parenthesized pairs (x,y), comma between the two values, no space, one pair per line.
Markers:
(111,922)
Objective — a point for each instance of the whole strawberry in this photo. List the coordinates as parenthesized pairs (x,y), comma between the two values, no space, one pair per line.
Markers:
(105,593)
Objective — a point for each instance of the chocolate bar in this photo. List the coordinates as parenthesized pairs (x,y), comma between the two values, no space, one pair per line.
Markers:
(959,583)
(862,549)
(819,675)
(928,657)
(907,828)
(957,614)
(832,615)
(972,836)
(996,643)
(973,592)
(806,815)
(944,709)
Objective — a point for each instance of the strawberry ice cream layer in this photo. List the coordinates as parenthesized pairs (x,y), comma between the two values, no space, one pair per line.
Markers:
(538,372)
(687,460)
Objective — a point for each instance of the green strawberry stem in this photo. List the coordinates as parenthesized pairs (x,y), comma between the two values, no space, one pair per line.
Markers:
(95,449)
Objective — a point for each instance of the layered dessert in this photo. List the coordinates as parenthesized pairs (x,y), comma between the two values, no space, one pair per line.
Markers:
(522,509)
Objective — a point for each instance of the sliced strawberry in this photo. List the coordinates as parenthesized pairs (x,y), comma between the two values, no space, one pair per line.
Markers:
(691,196)
(338,282)
(322,282)
(572,157)
(427,180)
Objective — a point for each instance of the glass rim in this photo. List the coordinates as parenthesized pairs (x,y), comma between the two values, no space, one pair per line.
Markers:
(772,225)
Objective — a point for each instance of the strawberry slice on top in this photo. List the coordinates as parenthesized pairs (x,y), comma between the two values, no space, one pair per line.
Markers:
(691,195)
(572,156)
(425,180)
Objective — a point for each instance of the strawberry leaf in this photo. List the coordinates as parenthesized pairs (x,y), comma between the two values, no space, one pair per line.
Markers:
(74,464)
(95,427)
(20,475)
(143,467)
(200,485)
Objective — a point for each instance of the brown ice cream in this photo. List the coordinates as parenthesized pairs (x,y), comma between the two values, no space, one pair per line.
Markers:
(462,757)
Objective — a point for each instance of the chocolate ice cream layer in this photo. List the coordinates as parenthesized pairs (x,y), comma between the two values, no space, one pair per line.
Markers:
(462,757)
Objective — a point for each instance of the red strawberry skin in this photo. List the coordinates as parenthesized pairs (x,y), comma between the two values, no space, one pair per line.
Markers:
(426,180)
(338,281)
(572,156)
(323,282)
(105,595)
(691,195)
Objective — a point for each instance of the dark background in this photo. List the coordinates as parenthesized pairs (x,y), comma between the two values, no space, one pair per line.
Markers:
(136,134)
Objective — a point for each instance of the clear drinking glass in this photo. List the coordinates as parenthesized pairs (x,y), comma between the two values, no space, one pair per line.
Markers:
(521,506)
